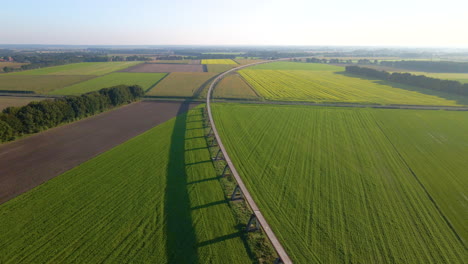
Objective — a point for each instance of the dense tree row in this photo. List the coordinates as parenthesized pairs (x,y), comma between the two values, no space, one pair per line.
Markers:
(422,81)
(41,115)
(429,66)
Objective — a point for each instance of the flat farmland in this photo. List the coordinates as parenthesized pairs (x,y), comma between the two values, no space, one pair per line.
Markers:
(39,83)
(247,61)
(7,101)
(218,61)
(233,86)
(155,67)
(182,84)
(290,66)
(83,68)
(325,86)
(355,185)
(65,147)
(153,199)
(218,68)
(170,61)
(145,80)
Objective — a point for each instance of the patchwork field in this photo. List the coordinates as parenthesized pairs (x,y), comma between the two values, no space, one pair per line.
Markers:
(218,61)
(247,61)
(233,86)
(290,66)
(145,80)
(170,61)
(155,67)
(218,68)
(355,185)
(321,84)
(182,84)
(39,83)
(150,200)
(16,101)
(83,68)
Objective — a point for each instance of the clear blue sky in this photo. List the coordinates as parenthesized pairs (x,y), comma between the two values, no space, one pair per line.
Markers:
(237,22)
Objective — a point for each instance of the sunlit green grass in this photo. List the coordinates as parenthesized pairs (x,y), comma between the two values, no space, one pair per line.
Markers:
(83,68)
(354,185)
(153,199)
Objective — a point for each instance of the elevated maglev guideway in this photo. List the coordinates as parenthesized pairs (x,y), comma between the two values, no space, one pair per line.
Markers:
(257,215)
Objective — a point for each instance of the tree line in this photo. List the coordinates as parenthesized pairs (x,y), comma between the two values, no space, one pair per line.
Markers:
(41,115)
(429,66)
(449,86)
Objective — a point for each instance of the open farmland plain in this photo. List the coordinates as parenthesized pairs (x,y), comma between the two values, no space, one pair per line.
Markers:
(82,68)
(39,83)
(355,185)
(233,86)
(156,67)
(218,68)
(153,199)
(289,81)
(62,148)
(218,61)
(182,84)
(247,61)
(145,80)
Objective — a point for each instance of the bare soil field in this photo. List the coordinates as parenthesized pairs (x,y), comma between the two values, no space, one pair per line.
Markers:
(153,67)
(7,101)
(28,162)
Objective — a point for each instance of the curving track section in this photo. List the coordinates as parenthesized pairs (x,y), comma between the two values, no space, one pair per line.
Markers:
(283,256)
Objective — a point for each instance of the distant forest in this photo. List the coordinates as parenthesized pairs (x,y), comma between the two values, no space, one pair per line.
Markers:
(429,66)
(448,86)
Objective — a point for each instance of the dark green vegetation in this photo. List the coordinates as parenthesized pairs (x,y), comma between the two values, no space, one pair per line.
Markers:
(448,86)
(39,83)
(144,80)
(153,199)
(355,185)
(6,101)
(38,116)
(429,66)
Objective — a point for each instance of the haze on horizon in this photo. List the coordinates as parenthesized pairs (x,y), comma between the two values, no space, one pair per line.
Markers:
(241,22)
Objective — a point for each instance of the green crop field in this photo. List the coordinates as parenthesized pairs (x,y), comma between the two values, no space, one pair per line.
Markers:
(182,84)
(83,68)
(355,185)
(218,68)
(233,86)
(153,199)
(218,61)
(39,83)
(333,87)
(286,65)
(145,80)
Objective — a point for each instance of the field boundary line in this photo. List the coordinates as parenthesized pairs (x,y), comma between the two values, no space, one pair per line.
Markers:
(406,107)
(283,256)
(421,184)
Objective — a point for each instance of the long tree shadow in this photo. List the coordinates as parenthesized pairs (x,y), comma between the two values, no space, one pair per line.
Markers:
(459,99)
(180,234)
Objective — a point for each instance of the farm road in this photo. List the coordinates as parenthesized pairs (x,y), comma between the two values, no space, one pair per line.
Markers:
(29,162)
